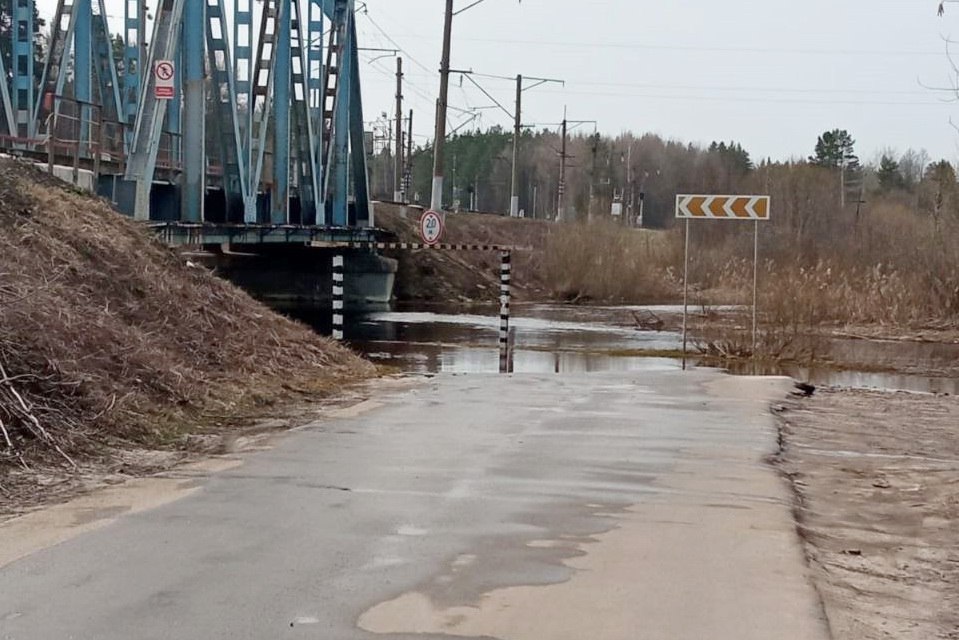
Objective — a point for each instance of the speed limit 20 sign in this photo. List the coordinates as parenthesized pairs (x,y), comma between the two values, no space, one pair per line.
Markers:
(431,227)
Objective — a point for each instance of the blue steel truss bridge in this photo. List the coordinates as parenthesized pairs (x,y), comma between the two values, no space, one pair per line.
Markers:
(256,138)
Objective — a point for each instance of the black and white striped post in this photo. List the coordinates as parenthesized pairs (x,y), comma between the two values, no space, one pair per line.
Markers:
(338,263)
(505,277)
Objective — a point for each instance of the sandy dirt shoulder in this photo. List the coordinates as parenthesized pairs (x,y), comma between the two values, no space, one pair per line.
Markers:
(877,480)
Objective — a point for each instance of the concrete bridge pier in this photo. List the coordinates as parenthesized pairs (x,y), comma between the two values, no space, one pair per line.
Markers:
(299,279)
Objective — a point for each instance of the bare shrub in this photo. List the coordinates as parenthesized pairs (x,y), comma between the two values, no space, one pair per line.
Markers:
(604,261)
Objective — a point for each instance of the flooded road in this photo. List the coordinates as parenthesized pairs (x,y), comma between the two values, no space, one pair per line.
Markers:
(577,339)
(543,342)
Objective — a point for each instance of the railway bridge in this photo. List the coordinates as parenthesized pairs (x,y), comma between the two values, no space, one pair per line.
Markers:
(234,126)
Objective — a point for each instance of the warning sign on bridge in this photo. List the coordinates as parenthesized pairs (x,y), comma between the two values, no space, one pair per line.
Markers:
(431,227)
(164,76)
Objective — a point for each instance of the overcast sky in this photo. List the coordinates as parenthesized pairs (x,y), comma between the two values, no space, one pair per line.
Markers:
(771,75)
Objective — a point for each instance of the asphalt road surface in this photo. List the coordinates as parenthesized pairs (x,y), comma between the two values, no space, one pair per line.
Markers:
(581,507)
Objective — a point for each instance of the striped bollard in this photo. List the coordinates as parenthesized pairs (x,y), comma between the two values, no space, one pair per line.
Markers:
(338,297)
(504,283)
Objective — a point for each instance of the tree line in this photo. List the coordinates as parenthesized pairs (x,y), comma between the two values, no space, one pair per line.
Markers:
(603,169)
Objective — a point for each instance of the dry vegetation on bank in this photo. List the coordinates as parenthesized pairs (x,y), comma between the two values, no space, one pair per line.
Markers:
(109,340)
(465,276)
(893,270)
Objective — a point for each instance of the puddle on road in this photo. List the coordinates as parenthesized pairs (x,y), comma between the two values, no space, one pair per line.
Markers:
(569,339)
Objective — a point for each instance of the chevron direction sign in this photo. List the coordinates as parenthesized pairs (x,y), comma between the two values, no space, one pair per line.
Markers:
(692,207)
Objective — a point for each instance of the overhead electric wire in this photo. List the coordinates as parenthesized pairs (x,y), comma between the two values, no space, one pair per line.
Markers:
(397,45)
(703,49)
(748,99)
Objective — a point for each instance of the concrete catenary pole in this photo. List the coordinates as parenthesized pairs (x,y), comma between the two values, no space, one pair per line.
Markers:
(560,209)
(408,178)
(436,199)
(517,131)
(398,160)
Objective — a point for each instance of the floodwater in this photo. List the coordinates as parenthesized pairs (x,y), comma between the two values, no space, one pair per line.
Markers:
(577,339)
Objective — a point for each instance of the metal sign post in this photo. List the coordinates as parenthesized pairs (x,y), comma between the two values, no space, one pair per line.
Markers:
(685,290)
(706,207)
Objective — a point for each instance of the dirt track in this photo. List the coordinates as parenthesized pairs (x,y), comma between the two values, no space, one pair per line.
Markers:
(877,476)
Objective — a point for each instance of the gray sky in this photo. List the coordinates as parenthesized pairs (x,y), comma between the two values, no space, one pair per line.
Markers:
(771,75)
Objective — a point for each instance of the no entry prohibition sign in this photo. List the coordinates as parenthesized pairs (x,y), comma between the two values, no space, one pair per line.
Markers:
(163,73)
(431,227)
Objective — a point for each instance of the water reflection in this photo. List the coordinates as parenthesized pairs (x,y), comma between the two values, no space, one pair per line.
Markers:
(564,339)
(856,379)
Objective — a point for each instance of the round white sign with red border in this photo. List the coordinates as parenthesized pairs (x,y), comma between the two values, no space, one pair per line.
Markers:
(163,86)
(431,227)
(164,70)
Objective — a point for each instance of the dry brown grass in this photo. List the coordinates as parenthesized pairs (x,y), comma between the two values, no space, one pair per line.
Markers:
(107,337)
(466,276)
(604,261)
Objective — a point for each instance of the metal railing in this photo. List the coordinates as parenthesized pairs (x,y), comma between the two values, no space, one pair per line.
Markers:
(74,133)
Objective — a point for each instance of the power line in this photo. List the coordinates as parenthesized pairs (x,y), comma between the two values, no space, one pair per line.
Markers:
(703,49)
(397,45)
(735,89)
(748,99)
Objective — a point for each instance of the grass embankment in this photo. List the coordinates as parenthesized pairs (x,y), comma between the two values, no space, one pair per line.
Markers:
(110,341)
(598,262)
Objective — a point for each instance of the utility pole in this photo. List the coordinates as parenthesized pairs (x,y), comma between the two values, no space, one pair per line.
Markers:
(563,157)
(517,132)
(436,199)
(842,181)
(560,213)
(594,150)
(631,185)
(398,158)
(408,186)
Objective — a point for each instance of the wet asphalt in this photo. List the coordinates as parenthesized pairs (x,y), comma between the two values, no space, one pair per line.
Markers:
(339,516)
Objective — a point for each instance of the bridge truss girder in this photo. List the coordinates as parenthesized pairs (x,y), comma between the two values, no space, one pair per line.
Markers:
(289,122)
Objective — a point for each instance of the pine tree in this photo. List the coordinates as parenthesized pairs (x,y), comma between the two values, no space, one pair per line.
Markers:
(890,177)
(834,149)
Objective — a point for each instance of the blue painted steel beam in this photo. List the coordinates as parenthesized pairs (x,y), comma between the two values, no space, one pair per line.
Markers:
(280,193)
(316,80)
(261,96)
(361,186)
(83,65)
(223,98)
(172,123)
(24,94)
(110,98)
(134,24)
(243,64)
(8,117)
(148,127)
(193,191)
(339,169)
